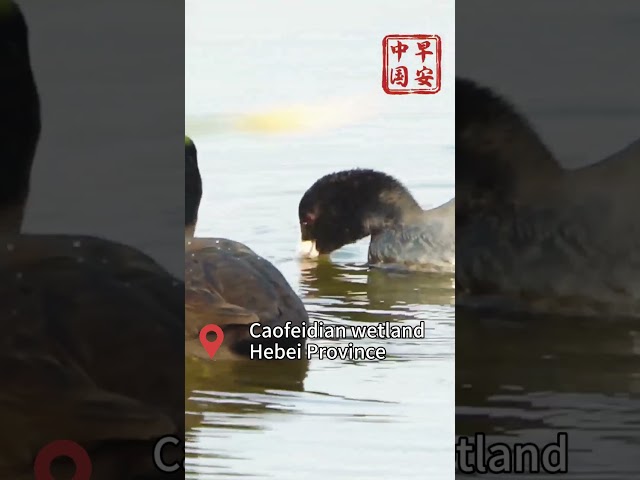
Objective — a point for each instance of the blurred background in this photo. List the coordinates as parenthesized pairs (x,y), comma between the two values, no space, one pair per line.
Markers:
(104,129)
(567,65)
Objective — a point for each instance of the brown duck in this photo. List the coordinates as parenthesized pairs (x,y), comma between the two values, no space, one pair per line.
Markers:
(81,318)
(228,284)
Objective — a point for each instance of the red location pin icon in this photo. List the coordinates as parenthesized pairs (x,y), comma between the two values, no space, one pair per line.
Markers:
(62,448)
(209,346)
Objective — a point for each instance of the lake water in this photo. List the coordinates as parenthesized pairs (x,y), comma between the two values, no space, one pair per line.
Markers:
(525,380)
(327,419)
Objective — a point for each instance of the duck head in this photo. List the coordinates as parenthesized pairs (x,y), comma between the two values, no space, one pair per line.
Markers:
(192,187)
(19,116)
(499,156)
(344,207)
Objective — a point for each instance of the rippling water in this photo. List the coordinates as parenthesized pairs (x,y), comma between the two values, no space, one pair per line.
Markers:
(103,128)
(389,419)
(327,418)
(335,418)
(523,383)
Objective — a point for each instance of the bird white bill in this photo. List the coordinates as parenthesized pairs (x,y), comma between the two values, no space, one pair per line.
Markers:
(308,249)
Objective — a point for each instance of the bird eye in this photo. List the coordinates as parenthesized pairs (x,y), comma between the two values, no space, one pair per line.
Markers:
(308,219)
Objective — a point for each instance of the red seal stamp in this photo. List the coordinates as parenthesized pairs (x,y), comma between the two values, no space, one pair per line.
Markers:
(411,64)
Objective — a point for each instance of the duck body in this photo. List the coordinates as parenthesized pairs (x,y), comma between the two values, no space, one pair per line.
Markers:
(82,318)
(550,260)
(425,243)
(533,236)
(229,285)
